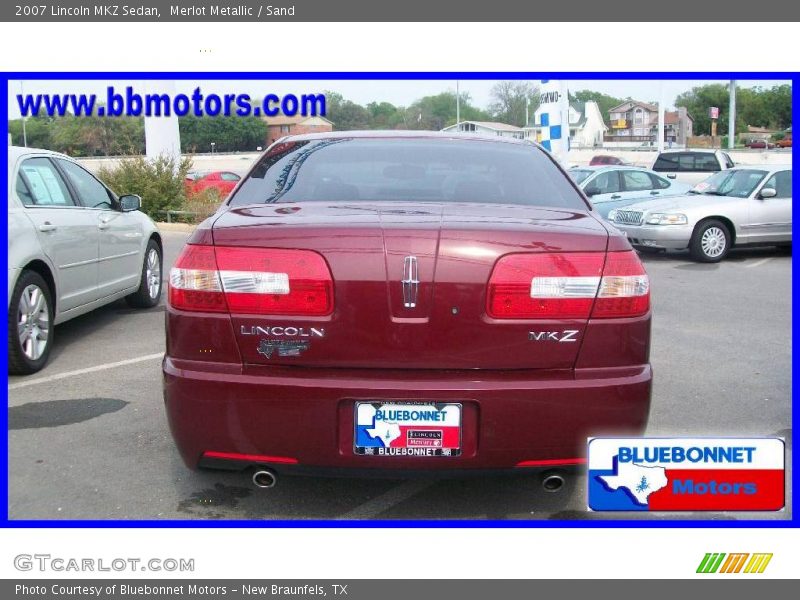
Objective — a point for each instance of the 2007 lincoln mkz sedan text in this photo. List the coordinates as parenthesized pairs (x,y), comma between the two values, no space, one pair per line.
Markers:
(410,302)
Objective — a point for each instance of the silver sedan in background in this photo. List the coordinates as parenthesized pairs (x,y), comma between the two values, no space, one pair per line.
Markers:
(615,186)
(73,245)
(738,207)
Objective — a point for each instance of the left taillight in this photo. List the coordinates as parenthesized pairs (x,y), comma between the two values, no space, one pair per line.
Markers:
(251,281)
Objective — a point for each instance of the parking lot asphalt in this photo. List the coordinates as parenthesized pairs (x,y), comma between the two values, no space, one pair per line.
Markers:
(88,437)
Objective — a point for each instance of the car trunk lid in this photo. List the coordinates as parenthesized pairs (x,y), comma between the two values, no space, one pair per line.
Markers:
(410,283)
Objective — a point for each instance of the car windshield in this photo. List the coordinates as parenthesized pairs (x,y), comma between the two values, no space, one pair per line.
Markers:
(739,183)
(579,175)
(403,169)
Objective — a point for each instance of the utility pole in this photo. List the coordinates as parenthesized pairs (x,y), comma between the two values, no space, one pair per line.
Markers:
(458,104)
(527,107)
(661,108)
(732,116)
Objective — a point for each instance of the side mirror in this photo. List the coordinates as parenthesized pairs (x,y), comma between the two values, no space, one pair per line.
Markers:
(130,202)
(768,193)
(671,176)
(592,190)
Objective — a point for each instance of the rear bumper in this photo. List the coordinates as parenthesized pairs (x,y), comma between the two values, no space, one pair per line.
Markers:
(301,419)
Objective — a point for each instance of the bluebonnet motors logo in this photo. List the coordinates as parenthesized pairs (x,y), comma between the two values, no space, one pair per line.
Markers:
(676,474)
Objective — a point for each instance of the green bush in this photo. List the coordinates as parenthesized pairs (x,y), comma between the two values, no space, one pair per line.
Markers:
(204,204)
(160,182)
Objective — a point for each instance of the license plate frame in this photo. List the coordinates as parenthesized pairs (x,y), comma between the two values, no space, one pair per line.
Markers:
(435,432)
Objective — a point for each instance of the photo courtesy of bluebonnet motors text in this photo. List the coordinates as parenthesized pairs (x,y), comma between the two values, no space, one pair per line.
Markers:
(266,313)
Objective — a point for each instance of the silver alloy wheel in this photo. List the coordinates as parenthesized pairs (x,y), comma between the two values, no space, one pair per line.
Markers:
(153,273)
(33,322)
(713,242)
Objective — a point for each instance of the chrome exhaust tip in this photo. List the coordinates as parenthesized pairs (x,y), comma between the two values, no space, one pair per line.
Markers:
(552,482)
(266,478)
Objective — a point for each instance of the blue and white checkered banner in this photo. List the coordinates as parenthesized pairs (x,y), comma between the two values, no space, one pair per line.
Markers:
(554,105)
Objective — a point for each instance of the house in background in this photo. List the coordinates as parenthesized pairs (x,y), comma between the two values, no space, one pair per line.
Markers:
(678,126)
(486,128)
(635,123)
(631,122)
(280,126)
(586,125)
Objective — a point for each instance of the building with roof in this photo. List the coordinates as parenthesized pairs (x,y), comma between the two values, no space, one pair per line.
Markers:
(586,125)
(487,128)
(281,125)
(635,123)
(678,127)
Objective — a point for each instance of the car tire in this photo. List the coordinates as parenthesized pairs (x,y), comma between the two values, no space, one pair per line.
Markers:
(30,324)
(150,284)
(711,241)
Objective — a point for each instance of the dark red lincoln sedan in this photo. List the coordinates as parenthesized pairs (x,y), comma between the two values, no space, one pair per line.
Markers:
(382,302)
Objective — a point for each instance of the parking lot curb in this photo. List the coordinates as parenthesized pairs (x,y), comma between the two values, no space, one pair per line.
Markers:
(182,227)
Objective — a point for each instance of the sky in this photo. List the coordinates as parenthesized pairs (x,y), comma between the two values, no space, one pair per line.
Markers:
(398,92)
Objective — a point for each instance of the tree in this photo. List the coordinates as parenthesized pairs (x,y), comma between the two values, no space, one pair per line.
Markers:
(604,101)
(439,111)
(510,100)
(345,114)
(229,134)
(38,131)
(384,115)
(771,108)
(699,99)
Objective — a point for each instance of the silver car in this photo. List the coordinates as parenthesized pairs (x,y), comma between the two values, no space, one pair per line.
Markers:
(73,245)
(736,207)
(615,186)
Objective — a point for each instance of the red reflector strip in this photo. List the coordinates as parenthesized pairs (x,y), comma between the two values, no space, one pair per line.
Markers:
(552,463)
(256,458)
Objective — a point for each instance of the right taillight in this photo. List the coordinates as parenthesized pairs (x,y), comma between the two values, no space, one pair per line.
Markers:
(251,281)
(568,285)
(625,288)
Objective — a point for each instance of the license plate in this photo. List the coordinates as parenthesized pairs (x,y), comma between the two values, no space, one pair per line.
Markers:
(407,429)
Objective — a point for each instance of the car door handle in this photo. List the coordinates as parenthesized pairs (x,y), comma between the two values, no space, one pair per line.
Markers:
(616,197)
(47,226)
(654,193)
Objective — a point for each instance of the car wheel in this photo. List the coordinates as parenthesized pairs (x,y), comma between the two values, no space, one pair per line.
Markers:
(710,242)
(30,324)
(149,292)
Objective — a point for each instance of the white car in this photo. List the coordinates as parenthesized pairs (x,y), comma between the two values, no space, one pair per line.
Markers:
(73,245)
(614,186)
(692,166)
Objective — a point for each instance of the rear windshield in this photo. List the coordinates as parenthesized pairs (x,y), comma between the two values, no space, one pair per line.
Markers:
(687,161)
(579,175)
(422,170)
